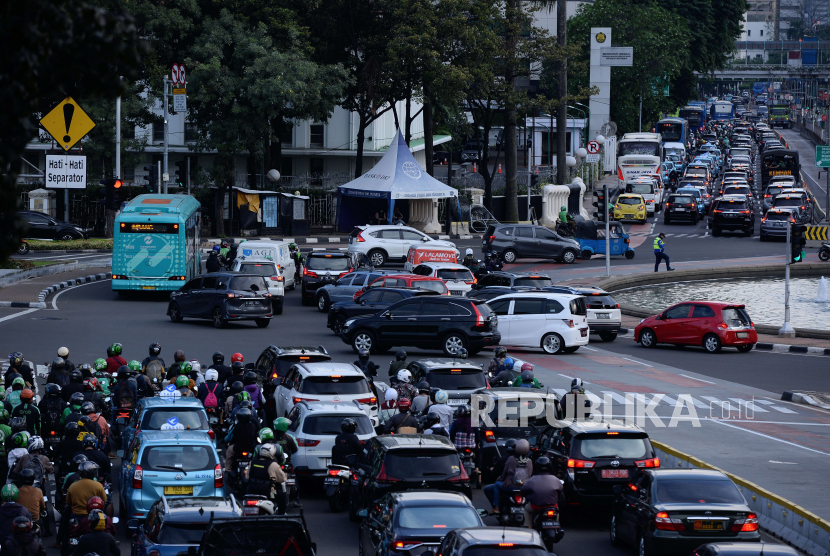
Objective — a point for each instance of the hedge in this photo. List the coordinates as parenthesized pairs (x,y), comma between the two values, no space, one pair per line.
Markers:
(73,245)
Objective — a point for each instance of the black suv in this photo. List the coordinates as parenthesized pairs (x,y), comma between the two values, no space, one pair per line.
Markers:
(733,213)
(369,303)
(394,463)
(511,279)
(321,269)
(516,241)
(476,541)
(43,226)
(681,207)
(223,297)
(458,378)
(447,323)
(594,457)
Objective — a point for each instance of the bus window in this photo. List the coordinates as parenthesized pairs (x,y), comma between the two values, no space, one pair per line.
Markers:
(671,132)
(638,147)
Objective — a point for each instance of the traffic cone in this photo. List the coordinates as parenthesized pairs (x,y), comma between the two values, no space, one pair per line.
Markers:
(537,170)
(475,168)
(499,168)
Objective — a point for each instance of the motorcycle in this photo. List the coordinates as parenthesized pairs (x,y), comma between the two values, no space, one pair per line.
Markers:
(255,504)
(824,252)
(122,421)
(563,230)
(468,461)
(337,484)
(546,523)
(511,509)
(215,420)
(23,248)
(240,475)
(290,481)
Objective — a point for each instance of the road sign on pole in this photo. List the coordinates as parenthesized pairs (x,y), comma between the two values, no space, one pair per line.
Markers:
(65,171)
(67,123)
(174,74)
(593,147)
(182,80)
(179,103)
(823,156)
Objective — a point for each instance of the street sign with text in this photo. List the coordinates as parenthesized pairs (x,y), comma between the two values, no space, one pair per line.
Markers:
(823,156)
(179,103)
(65,172)
(592,158)
(67,123)
(616,56)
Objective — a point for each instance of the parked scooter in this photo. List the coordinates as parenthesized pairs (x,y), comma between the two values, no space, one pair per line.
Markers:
(824,252)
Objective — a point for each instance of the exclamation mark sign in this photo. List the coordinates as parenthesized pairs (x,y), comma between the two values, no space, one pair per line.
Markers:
(68,111)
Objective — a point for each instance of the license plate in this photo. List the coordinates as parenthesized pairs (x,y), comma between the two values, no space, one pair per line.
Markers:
(550,524)
(252,304)
(456,402)
(708,526)
(731,215)
(614,473)
(148,287)
(456,292)
(178,490)
(515,510)
(743,334)
(332,480)
(603,315)
(254,510)
(680,210)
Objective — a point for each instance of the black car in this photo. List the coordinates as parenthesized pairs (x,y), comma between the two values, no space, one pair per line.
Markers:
(489,541)
(413,520)
(681,207)
(733,213)
(269,534)
(321,269)
(517,241)
(745,549)
(677,510)
(447,323)
(458,378)
(593,457)
(43,226)
(400,462)
(369,303)
(223,297)
(512,279)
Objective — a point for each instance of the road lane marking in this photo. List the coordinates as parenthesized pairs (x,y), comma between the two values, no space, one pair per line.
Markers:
(20,314)
(638,362)
(777,408)
(725,424)
(617,397)
(697,379)
(57,295)
(749,405)
(783,462)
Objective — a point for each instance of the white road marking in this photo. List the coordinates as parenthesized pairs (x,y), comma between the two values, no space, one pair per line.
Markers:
(589,349)
(725,424)
(783,462)
(749,405)
(617,397)
(697,379)
(20,314)
(57,295)
(638,362)
(559,391)
(566,376)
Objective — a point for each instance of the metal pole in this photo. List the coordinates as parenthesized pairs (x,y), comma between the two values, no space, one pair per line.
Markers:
(607,232)
(118,137)
(166,126)
(66,205)
(158,178)
(641,111)
(787,331)
(188,175)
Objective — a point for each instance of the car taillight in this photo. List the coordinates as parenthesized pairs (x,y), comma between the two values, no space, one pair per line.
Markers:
(342,274)
(370,401)
(663,522)
(570,323)
(138,477)
(407,545)
(580,464)
(617,306)
(690,205)
(491,239)
(489,436)
(479,316)
(309,273)
(218,477)
(307,443)
(746,211)
(653,462)
(717,211)
(723,326)
(233,295)
(360,236)
(211,434)
(747,525)
(383,477)
(297,400)
(461,477)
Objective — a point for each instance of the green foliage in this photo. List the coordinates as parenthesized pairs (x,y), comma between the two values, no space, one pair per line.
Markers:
(75,244)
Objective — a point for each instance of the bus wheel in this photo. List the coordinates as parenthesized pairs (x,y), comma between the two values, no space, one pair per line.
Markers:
(175,312)
(218,321)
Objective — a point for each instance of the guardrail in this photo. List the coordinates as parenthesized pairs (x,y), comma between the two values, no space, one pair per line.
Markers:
(776,515)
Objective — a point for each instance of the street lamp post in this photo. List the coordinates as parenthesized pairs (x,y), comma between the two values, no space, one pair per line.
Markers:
(589,121)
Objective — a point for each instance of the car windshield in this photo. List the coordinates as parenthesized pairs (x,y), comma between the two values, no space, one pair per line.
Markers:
(613,447)
(691,491)
(327,263)
(462,274)
(321,425)
(178,458)
(181,533)
(263,269)
(787,201)
(641,188)
(680,200)
(432,285)
(500,551)
(438,517)
(463,380)
(629,201)
(332,385)
(248,283)
(422,464)
(189,418)
(529,406)
(778,216)
(736,316)
(533,281)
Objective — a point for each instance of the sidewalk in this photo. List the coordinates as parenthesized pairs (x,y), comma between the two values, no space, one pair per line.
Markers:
(27,291)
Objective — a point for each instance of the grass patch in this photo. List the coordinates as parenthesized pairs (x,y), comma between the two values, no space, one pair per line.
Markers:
(35,245)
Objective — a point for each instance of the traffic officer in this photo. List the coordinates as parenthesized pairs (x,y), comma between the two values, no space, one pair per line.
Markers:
(660,252)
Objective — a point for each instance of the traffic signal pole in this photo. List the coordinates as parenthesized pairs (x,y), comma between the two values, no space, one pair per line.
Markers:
(607,233)
(118,137)
(787,331)
(166,128)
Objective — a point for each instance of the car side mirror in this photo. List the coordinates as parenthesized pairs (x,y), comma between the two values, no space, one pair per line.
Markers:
(52,223)
(424,239)
(362,301)
(387,315)
(363,513)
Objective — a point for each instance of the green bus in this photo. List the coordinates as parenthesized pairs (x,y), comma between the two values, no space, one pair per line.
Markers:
(156,243)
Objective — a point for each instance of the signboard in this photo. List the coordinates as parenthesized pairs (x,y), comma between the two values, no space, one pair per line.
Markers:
(179,91)
(180,103)
(616,56)
(418,254)
(174,74)
(592,158)
(593,147)
(67,123)
(823,156)
(65,172)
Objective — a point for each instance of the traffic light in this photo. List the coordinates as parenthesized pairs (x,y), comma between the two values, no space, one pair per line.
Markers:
(601,204)
(797,243)
(152,178)
(112,193)
(181,172)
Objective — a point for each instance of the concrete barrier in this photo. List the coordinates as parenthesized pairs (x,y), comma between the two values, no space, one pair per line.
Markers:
(776,515)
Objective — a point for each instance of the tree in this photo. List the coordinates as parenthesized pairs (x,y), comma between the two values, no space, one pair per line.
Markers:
(51,50)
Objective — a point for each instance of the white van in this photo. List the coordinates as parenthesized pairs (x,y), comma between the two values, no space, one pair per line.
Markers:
(652,195)
(269,270)
(276,251)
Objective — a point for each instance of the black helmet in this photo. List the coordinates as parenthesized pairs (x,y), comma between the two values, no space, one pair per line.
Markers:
(249,378)
(53,390)
(462,411)
(244,415)
(218,358)
(527,376)
(27,477)
(76,399)
(87,408)
(85,422)
(71,430)
(363,354)
(236,387)
(246,404)
(423,387)
(431,419)
(89,441)
(400,355)
(58,364)
(76,376)
(543,464)
(22,525)
(348,425)
(510,446)
(123,372)
(79,459)
(17,424)
(500,352)
(461,353)
(155,349)
(88,470)
(238,367)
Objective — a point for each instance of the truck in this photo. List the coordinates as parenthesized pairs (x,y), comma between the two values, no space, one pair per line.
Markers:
(779,115)
(639,154)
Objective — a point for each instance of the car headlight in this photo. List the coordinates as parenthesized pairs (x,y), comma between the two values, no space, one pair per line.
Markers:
(348,323)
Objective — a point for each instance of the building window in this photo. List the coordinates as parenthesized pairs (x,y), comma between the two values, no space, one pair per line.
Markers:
(158,133)
(749,32)
(190,132)
(317,134)
(762,32)
(287,136)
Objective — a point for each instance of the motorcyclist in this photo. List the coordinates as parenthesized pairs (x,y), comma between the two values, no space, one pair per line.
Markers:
(404,388)
(441,409)
(97,425)
(124,392)
(73,411)
(346,443)
(250,386)
(33,459)
(210,390)
(16,425)
(5,433)
(232,400)
(85,488)
(58,373)
(402,422)
(299,260)
(213,264)
(76,380)
(237,374)
(266,473)
(493,264)
(184,371)
(13,396)
(542,490)
(23,541)
(566,219)
(577,390)
(157,370)
(517,469)
(526,379)
(431,424)
(18,365)
(99,365)
(398,364)
(224,251)
(87,370)
(9,511)
(84,526)
(240,438)
(282,437)
(143,384)
(92,393)
(497,470)
(369,368)
(63,353)
(173,370)
(497,362)
(69,446)
(98,541)
(219,365)
(183,386)
(196,374)
(114,359)
(421,401)
(30,496)
(29,411)
(507,375)
(470,261)
(462,432)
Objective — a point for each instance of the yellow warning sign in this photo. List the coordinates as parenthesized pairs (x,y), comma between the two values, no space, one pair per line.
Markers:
(816,233)
(67,123)
(179,91)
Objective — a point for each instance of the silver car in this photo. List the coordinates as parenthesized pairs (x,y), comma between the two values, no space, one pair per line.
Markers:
(775,222)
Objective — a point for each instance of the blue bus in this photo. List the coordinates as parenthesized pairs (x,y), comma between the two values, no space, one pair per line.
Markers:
(155,244)
(758,87)
(695,115)
(702,105)
(673,130)
(722,110)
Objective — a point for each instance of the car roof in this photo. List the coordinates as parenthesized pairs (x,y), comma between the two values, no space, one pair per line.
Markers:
(415,440)
(410,277)
(519,274)
(184,437)
(180,402)
(388,226)
(446,362)
(541,294)
(690,474)
(329,255)
(302,350)
(325,368)
(454,266)
(413,291)
(497,535)
(752,549)
(198,509)
(580,427)
(630,195)
(412,498)
(713,304)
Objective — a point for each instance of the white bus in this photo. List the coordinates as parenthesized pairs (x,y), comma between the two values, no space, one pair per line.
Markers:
(639,154)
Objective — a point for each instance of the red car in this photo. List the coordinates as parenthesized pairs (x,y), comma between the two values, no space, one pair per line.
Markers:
(710,324)
(407,281)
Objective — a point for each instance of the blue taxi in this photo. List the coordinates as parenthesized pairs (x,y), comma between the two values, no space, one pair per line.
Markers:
(152,413)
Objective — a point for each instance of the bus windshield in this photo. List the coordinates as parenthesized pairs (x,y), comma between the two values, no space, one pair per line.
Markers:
(671,131)
(639,147)
(692,116)
(724,108)
(779,111)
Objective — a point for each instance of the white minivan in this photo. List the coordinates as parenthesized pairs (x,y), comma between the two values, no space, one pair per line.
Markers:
(269,270)
(276,251)
(650,191)
(555,322)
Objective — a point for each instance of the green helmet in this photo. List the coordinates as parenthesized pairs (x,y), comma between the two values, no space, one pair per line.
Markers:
(182,382)
(564,208)
(20,439)
(9,493)
(281,424)
(292,245)
(100,364)
(243,397)
(266,435)
(114,349)
(18,382)
(4,415)
(134,365)
(185,368)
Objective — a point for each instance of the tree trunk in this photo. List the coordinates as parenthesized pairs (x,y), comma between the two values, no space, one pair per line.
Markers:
(562,109)
(361,136)
(407,121)
(220,210)
(511,200)
(395,112)
(428,146)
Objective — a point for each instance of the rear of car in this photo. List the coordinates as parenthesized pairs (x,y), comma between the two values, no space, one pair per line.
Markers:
(315,431)
(247,299)
(630,207)
(685,205)
(772,191)
(431,283)
(604,315)
(434,467)
(337,386)
(733,214)
(321,269)
(458,381)
(775,223)
(646,190)
(273,278)
(509,401)
(735,328)
(457,277)
(795,201)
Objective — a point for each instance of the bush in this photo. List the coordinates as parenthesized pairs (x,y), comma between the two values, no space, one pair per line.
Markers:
(72,245)
(17,264)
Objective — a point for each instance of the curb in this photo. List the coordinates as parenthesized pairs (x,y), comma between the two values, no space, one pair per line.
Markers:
(299,240)
(68,251)
(786,348)
(38,272)
(23,304)
(805,399)
(68,284)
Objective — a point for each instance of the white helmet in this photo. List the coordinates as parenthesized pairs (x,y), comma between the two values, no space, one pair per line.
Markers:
(405,376)
(391,395)
(195,366)
(468,251)
(212,374)
(441,396)
(63,352)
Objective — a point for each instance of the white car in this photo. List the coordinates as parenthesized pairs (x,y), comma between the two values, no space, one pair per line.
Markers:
(272,273)
(325,382)
(315,425)
(388,243)
(555,322)
(458,278)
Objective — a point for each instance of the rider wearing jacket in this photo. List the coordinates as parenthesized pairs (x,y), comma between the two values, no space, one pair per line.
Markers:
(114,359)
(219,364)
(542,490)
(266,473)
(346,443)
(241,438)
(402,420)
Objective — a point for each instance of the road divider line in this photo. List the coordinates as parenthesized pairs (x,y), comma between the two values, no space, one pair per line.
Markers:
(57,295)
(638,362)
(767,436)
(20,314)
(697,379)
